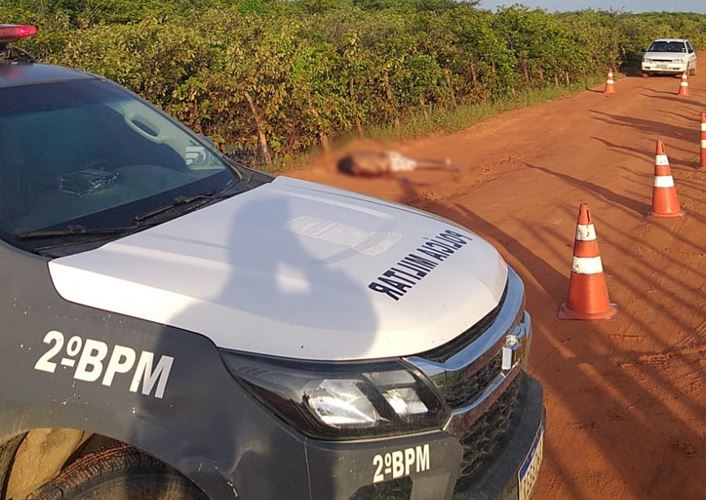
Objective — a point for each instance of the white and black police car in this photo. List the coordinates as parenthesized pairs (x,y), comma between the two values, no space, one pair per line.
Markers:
(177,325)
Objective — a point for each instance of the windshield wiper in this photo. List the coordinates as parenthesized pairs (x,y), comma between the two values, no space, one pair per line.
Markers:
(77,230)
(190,202)
(74,230)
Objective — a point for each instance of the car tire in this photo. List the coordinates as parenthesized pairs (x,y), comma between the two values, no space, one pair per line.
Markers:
(645,74)
(692,70)
(119,473)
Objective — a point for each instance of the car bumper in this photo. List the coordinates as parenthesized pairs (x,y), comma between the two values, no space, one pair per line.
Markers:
(667,68)
(428,465)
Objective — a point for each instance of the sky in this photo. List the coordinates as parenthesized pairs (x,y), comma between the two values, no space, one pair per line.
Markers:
(628,5)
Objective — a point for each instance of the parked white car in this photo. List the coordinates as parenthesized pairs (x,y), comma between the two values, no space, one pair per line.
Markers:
(669,56)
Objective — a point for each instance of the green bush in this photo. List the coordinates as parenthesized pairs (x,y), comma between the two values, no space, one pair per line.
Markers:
(291,75)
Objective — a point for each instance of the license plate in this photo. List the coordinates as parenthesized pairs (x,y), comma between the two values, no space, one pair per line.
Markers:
(663,66)
(527,475)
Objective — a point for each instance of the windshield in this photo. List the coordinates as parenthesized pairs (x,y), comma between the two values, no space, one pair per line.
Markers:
(667,47)
(87,152)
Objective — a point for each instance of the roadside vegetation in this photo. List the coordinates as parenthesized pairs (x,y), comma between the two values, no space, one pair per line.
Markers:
(282,77)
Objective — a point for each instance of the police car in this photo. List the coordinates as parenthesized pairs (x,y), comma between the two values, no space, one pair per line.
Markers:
(178,325)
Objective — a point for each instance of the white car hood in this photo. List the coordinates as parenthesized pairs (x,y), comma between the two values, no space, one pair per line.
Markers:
(669,56)
(285,270)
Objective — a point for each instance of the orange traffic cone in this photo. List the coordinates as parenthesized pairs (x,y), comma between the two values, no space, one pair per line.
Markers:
(588,290)
(664,195)
(684,85)
(703,141)
(609,84)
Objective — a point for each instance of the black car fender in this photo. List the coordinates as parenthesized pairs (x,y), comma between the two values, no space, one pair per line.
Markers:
(162,390)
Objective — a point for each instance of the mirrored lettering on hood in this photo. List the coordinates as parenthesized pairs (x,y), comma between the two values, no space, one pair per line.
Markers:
(399,279)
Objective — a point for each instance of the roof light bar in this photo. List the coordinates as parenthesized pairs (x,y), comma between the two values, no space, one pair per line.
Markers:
(13,32)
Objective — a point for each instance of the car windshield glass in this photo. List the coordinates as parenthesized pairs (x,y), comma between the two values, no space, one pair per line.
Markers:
(667,47)
(87,152)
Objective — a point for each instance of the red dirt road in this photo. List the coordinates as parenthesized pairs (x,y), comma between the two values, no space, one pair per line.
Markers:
(626,398)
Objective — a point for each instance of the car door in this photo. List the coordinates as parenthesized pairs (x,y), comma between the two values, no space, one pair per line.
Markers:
(692,53)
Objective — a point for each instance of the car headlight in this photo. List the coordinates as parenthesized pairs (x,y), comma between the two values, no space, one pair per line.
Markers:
(342,400)
(646,60)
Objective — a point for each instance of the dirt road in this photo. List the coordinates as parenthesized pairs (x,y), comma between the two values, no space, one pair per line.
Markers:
(626,398)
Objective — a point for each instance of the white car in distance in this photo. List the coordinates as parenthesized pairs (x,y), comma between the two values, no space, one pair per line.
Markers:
(669,56)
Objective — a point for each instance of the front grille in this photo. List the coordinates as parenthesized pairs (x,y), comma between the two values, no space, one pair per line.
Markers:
(483,436)
(396,489)
(462,388)
(442,353)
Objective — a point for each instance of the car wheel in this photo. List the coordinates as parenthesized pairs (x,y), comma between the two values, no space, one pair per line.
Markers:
(120,473)
(692,70)
(645,74)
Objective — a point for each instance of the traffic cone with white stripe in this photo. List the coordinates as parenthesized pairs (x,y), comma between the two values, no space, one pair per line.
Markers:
(588,291)
(609,83)
(684,85)
(702,164)
(665,202)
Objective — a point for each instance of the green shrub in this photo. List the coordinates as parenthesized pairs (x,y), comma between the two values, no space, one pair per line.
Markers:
(291,75)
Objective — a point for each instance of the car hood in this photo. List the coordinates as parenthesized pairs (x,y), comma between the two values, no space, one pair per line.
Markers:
(299,270)
(669,56)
